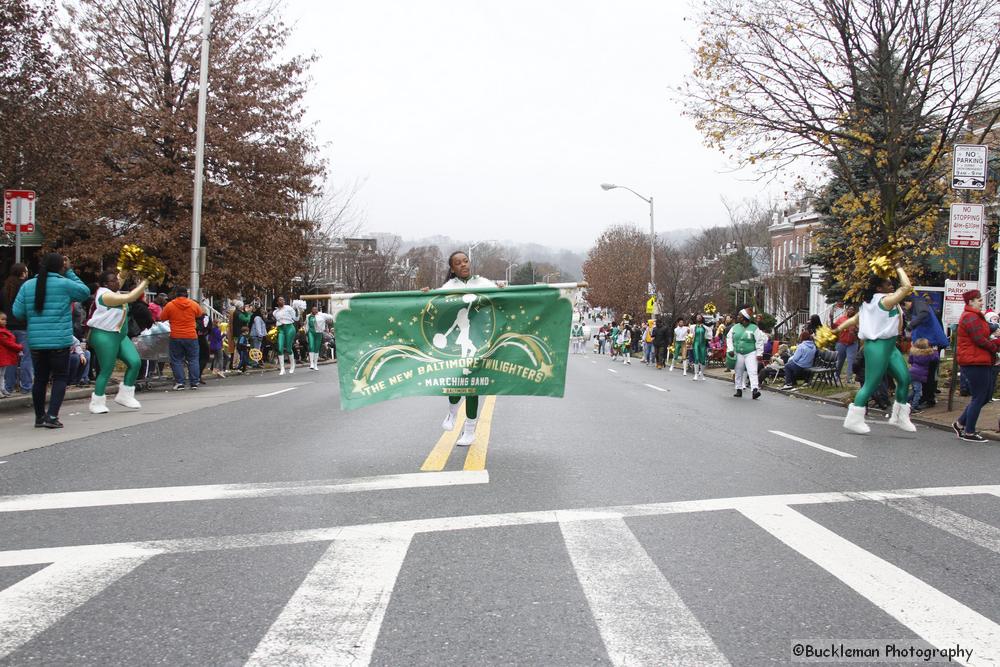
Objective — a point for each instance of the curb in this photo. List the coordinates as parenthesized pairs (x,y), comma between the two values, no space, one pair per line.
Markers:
(74,393)
(916,419)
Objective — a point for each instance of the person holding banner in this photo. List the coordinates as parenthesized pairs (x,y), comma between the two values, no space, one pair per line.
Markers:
(285,318)
(879,323)
(459,277)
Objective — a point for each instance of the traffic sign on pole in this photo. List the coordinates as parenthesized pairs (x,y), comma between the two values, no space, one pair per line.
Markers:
(965,228)
(968,170)
(19,211)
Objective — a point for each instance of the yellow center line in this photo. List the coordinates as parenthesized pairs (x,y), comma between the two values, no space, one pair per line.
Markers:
(438,457)
(476,458)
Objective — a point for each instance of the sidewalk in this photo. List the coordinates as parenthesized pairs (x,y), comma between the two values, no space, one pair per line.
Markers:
(23,401)
(937,417)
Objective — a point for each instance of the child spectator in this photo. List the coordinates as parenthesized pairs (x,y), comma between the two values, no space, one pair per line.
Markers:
(215,349)
(243,348)
(921,356)
(10,350)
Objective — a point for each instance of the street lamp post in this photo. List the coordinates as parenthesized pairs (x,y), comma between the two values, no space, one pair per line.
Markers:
(199,153)
(510,267)
(474,246)
(652,232)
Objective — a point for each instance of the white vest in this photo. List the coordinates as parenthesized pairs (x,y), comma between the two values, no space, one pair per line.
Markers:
(105,318)
(875,323)
(473,281)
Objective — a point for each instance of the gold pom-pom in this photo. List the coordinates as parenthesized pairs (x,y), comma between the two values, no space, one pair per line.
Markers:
(130,257)
(825,337)
(152,269)
(272,335)
(881,266)
(710,308)
(689,340)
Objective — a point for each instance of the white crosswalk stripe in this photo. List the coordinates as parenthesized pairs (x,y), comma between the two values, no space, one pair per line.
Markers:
(337,613)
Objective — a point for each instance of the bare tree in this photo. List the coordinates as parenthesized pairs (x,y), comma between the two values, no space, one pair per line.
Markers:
(857,85)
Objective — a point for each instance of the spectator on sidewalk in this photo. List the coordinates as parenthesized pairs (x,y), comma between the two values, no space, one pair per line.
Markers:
(44,304)
(258,331)
(22,372)
(243,348)
(181,314)
(847,343)
(79,364)
(805,355)
(921,356)
(10,351)
(924,323)
(215,352)
(976,355)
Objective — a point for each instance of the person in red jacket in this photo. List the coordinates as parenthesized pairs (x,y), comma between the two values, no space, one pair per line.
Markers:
(10,351)
(976,355)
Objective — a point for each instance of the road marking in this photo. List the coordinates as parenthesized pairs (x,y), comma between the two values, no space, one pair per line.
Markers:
(77,553)
(814,444)
(438,457)
(275,393)
(335,616)
(476,458)
(641,618)
(37,602)
(174,494)
(938,618)
(653,386)
(611,370)
(950,521)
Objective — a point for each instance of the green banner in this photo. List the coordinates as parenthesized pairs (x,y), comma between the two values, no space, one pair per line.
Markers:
(453,343)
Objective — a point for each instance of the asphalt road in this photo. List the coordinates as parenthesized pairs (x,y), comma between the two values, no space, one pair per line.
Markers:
(644,519)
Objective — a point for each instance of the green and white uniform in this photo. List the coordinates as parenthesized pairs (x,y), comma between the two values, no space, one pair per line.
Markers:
(879,329)
(700,345)
(472,402)
(680,333)
(110,342)
(316,326)
(746,342)
(285,318)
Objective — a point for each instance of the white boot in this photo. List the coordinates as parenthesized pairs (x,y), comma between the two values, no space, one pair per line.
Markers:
(449,421)
(901,417)
(314,360)
(291,370)
(98,404)
(468,433)
(126,397)
(281,364)
(685,367)
(855,419)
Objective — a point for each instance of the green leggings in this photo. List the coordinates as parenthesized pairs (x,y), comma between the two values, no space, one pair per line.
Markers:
(471,405)
(315,341)
(882,355)
(700,353)
(109,347)
(286,336)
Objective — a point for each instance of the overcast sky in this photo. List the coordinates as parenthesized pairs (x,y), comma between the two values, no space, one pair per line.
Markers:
(500,120)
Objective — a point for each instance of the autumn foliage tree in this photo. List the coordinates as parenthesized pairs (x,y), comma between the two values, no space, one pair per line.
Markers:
(857,85)
(136,65)
(33,117)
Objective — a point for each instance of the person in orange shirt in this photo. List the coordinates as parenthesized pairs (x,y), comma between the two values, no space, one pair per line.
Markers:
(181,313)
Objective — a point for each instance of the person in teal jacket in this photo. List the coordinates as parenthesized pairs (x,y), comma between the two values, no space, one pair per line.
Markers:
(44,303)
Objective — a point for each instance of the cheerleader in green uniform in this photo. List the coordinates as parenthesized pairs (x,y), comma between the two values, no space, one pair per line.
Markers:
(285,318)
(109,341)
(316,326)
(699,346)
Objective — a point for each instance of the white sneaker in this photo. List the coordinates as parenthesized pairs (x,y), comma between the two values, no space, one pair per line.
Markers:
(281,372)
(98,404)
(126,397)
(449,420)
(468,433)
(901,417)
(855,419)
